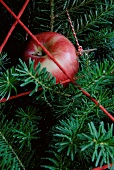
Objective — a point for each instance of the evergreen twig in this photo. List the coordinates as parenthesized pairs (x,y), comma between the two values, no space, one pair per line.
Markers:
(51,15)
(8,148)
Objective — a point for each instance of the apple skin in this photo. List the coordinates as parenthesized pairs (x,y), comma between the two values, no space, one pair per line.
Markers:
(60,48)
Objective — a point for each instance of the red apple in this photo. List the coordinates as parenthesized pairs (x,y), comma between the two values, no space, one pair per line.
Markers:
(60,48)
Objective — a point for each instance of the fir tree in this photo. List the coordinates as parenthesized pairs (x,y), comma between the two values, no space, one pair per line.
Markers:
(54,127)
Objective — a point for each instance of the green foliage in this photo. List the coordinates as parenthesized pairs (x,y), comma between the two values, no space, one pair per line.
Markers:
(27,129)
(100,73)
(3,61)
(67,133)
(7,83)
(102,143)
(58,119)
(40,77)
(58,162)
(17,138)
(27,115)
(8,157)
(98,144)
(25,134)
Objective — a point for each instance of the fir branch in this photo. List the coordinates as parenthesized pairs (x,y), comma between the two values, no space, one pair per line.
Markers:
(9,157)
(67,136)
(104,39)
(3,61)
(27,130)
(8,83)
(101,141)
(24,133)
(10,129)
(28,115)
(61,161)
(92,19)
(39,77)
(100,74)
(40,23)
(57,162)
(73,6)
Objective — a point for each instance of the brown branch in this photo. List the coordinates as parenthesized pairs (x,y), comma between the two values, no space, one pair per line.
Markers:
(51,15)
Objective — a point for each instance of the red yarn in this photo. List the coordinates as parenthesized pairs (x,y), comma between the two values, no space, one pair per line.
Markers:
(14,25)
(102,168)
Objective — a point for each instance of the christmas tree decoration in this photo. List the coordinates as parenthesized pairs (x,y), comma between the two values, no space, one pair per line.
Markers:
(44,124)
(62,50)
